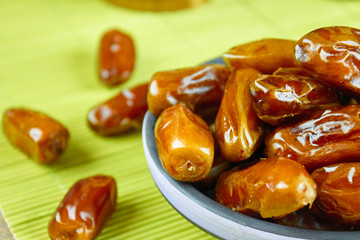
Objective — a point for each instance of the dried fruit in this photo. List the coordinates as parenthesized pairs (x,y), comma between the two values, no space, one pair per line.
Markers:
(238,130)
(328,136)
(35,134)
(199,88)
(185,144)
(281,99)
(338,193)
(116,58)
(332,54)
(272,187)
(121,113)
(264,55)
(85,209)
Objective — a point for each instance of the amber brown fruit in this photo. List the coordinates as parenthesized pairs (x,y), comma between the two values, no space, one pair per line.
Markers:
(37,135)
(338,192)
(238,129)
(199,88)
(332,54)
(85,209)
(265,55)
(282,99)
(272,187)
(185,144)
(116,58)
(328,136)
(121,113)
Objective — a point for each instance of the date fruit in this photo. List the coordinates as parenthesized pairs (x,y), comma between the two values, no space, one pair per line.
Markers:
(85,209)
(265,55)
(273,187)
(280,99)
(338,193)
(37,135)
(121,113)
(116,58)
(185,144)
(332,54)
(328,136)
(238,129)
(199,88)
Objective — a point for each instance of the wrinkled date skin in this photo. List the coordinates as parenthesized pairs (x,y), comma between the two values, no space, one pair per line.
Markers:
(238,129)
(185,144)
(121,113)
(333,55)
(116,58)
(328,136)
(266,55)
(85,209)
(338,192)
(37,135)
(272,187)
(281,99)
(199,88)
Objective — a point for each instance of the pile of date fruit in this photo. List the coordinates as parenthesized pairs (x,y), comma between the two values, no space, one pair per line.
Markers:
(279,125)
(275,132)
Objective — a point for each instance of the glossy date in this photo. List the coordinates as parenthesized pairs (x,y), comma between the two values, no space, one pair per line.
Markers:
(37,135)
(272,187)
(116,58)
(85,209)
(281,99)
(185,144)
(238,130)
(121,113)
(199,88)
(328,136)
(332,54)
(265,55)
(338,193)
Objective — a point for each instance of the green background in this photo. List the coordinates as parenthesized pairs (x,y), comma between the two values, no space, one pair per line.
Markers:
(48,55)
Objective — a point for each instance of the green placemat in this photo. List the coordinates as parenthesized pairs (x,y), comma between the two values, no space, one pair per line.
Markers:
(48,51)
